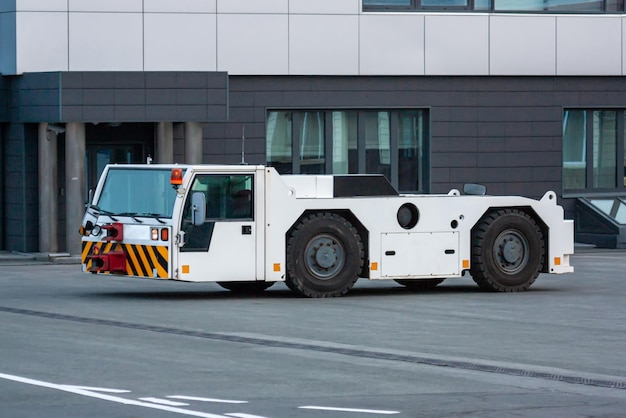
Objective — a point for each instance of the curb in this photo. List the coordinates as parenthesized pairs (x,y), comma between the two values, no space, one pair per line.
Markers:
(17,258)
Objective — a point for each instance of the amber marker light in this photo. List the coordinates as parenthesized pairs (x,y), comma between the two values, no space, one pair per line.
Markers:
(165,235)
(176,177)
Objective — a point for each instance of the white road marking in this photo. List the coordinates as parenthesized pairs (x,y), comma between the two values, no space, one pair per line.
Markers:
(107,390)
(364,411)
(194,398)
(164,402)
(78,390)
(238,415)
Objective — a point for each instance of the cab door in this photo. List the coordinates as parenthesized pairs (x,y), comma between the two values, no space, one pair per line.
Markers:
(223,247)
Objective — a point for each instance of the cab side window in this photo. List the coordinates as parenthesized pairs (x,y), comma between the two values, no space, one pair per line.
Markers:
(228,197)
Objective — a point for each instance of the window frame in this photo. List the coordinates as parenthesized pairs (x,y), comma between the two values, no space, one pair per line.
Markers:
(620,155)
(416,6)
(227,196)
(423,159)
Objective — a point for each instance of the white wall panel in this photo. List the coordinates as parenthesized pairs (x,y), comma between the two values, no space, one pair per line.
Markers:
(323,44)
(180,6)
(324,6)
(106,42)
(522,45)
(391,45)
(252,6)
(106,5)
(457,45)
(37,52)
(252,44)
(180,42)
(589,45)
(41,5)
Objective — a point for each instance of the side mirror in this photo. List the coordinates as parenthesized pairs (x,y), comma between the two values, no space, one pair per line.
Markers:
(198,208)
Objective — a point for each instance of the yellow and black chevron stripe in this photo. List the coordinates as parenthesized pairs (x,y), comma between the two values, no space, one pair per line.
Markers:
(141,260)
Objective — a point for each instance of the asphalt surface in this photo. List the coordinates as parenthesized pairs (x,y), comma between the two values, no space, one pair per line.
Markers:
(77,345)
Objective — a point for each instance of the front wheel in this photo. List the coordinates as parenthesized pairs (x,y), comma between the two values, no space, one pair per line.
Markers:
(324,256)
(508,251)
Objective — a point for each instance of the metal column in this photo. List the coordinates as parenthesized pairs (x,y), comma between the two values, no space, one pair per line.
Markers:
(48,186)
(165,143)
(75,184)
(193,143)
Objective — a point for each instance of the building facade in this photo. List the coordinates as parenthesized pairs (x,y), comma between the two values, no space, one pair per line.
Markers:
(522,96)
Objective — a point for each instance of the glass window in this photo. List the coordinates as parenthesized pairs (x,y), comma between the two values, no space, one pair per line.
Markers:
(377,143)
(604,149)
(559,6)
(227,196)
(613,207)
(481,5)
(518,4)
(345,157)
(137,192)
(386,2)
(312,144)
(410,150)
(278,141)
(575,5)
(388,142)
(614,5)
(594,150)
(574,149)
(550,5)
(444,3)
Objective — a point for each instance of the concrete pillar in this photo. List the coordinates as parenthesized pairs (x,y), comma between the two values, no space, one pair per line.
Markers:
(48,186)
(165,143)
(75,184)
(193,143)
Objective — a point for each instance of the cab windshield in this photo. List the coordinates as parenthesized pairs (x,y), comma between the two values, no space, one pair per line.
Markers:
(137,192)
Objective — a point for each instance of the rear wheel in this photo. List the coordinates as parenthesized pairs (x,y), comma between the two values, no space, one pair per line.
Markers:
(508,251)
(419,284)
(324,256)
(246,287)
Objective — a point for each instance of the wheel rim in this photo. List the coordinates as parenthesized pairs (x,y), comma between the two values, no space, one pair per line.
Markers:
(324,256)
(511,251)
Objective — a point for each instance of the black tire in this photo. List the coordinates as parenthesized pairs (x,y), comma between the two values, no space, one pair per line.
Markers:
(246,287)
(324,256)
(424,284)
(508,251)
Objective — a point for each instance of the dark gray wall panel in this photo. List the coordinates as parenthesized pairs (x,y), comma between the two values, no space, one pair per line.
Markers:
(4,100)
(20,188)
(502,131)
(56,97)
